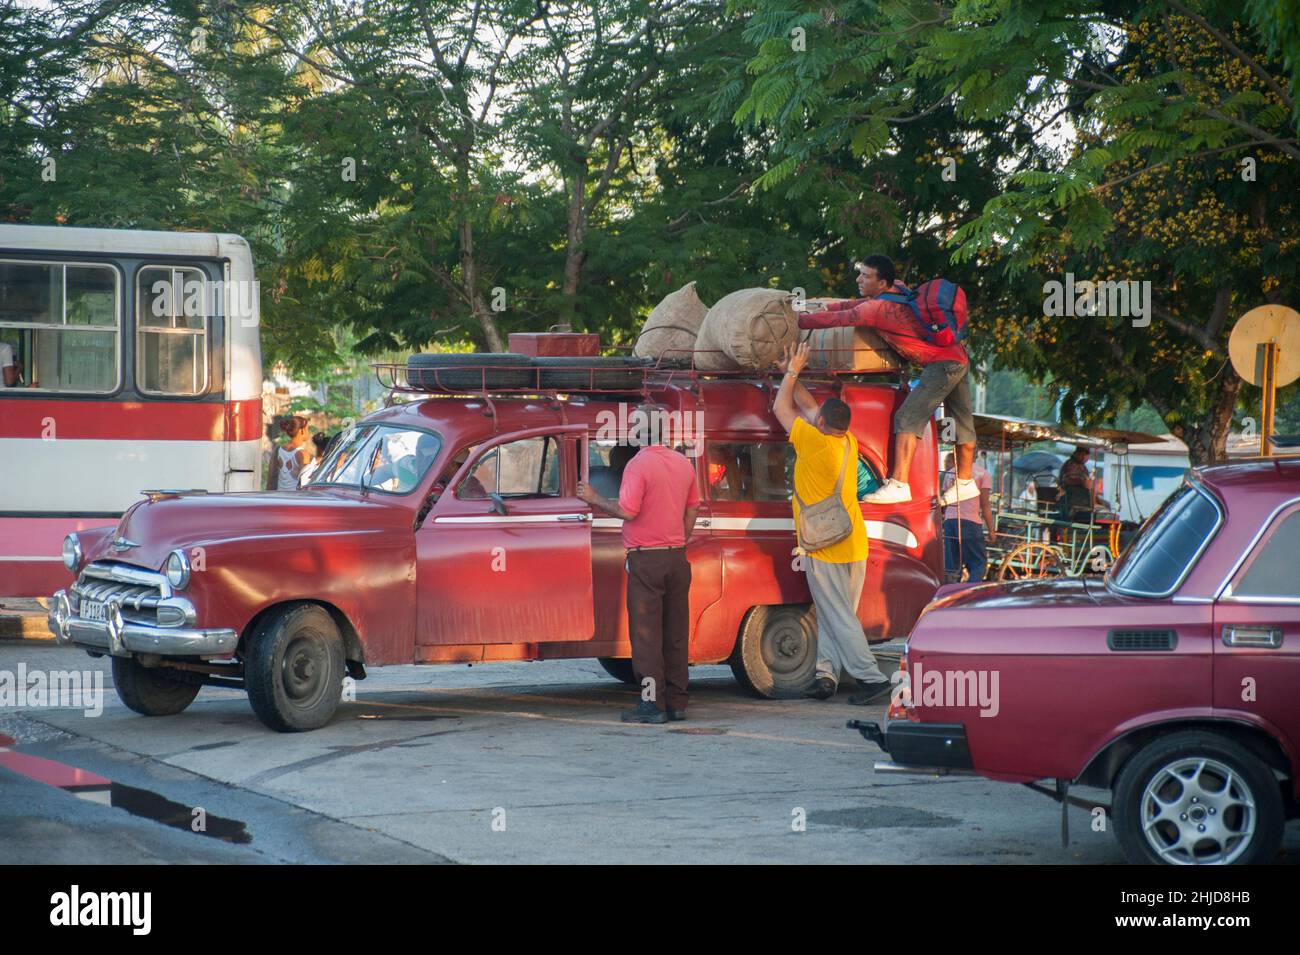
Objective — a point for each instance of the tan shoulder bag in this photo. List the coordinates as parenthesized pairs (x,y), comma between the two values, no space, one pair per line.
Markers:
(827,521)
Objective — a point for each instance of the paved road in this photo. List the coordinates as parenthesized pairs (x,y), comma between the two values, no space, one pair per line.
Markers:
(513,763)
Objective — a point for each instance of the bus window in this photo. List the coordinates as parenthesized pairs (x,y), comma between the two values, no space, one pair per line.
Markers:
(172,306)
(61,322)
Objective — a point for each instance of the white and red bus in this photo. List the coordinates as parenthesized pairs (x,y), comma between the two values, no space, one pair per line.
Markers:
(129,360)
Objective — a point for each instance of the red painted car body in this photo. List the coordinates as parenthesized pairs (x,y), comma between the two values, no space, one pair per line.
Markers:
(546,580)
(1088,672)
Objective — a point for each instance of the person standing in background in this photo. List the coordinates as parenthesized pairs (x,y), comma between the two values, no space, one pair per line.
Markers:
(965,525)
(11,370)
(320,442)
(293,455)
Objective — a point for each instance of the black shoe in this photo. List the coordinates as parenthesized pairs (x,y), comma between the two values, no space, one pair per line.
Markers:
(644,712)
(869,693)
(823,688)
(676,716)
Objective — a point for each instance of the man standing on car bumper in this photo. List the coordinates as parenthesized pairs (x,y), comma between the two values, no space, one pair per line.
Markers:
(658,501)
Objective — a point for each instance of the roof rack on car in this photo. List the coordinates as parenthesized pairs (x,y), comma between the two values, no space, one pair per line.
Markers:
(577,376)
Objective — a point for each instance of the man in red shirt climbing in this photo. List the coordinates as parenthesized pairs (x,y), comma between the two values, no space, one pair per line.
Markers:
(944,373)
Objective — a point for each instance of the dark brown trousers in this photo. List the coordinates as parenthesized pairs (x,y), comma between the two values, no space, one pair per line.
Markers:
(659,623)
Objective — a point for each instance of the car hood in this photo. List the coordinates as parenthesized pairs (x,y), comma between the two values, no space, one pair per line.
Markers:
(158,526)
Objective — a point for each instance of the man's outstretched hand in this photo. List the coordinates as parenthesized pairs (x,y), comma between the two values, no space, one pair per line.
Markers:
(794,358)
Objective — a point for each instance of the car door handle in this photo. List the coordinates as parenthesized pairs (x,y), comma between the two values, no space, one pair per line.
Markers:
(573,517)
(1267,637)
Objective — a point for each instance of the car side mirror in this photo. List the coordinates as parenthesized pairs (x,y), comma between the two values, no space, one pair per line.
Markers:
(499,504)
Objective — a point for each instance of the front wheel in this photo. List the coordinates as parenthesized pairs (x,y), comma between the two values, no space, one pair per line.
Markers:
(1197,798)
(294,669)
(620,668)
(153,691)
(776,652)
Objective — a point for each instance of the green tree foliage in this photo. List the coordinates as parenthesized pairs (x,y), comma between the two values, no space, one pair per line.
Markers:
(1139,115)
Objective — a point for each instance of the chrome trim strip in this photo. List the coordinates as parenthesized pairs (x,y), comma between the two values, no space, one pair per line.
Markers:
(511,519)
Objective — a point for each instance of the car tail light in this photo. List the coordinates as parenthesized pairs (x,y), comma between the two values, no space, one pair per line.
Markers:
(900,701)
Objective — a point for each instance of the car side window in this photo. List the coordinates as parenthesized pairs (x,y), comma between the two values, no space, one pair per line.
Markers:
(526,468)
(1272,571)
(750,470)
(606,462)
(764,471)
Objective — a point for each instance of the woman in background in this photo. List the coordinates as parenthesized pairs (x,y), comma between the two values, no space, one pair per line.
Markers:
(320,442)
(293,455)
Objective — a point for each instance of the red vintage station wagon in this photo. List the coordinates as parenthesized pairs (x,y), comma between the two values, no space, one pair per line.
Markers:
(446,529)
(1174,682)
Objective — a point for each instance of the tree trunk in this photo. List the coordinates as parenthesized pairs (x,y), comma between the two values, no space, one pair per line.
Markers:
(1208,442)
(575,255)
(469,265)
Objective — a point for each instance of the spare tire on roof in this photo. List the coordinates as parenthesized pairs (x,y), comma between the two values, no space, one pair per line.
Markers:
(458,373)
(587,374)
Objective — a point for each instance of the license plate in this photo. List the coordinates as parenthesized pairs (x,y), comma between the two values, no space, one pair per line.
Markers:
(94,610)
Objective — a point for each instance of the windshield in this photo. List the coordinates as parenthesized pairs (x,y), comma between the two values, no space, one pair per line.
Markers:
(1168,545)
(379,458)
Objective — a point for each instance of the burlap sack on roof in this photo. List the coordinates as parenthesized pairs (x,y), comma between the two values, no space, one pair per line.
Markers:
(746,329)
(670,330)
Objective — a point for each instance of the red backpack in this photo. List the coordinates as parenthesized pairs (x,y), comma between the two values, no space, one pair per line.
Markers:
(940,307)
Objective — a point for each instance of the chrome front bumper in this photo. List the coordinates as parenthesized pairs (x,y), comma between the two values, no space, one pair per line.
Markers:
(120,638)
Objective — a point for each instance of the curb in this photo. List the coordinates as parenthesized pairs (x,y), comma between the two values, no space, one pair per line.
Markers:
(24,626)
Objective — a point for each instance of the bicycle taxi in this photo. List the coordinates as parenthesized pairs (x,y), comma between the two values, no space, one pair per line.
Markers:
(1032,536)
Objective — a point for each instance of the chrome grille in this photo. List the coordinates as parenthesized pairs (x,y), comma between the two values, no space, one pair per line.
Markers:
(138,596)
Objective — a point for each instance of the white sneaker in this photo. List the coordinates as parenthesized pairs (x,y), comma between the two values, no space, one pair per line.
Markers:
(960,491)
(891,492)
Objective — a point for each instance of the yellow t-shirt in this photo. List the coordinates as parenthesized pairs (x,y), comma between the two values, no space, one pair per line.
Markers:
(818,459)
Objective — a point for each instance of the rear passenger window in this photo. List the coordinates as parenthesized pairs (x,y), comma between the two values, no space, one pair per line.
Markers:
(606,461)
(1272,572)
(751,471)
(764,471)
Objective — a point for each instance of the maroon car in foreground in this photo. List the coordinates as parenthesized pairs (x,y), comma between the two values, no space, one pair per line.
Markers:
(1174,682)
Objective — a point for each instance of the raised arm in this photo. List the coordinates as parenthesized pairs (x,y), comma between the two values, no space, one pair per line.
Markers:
(792,363)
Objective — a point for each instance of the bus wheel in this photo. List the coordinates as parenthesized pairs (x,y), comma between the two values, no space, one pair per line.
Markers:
(153,691)
(776,652)
(619,668)
(294,668)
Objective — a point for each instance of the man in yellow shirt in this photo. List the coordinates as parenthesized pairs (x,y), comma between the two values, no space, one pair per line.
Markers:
(821,440)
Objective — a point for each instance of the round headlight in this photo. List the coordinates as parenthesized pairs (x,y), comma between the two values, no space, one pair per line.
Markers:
(178,570)
(71,552)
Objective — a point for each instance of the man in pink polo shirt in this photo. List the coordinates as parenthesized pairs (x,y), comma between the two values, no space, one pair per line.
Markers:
(657,502)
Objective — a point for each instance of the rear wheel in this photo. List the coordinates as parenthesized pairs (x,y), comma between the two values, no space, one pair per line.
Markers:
(776,652)
(1197,798)
(153,691)
(294,669)
(619,669)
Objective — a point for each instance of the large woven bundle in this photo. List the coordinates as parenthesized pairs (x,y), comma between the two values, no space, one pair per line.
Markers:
(672,327)
(746,329)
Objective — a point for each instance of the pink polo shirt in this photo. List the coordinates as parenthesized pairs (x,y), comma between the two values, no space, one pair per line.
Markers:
(658,486)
